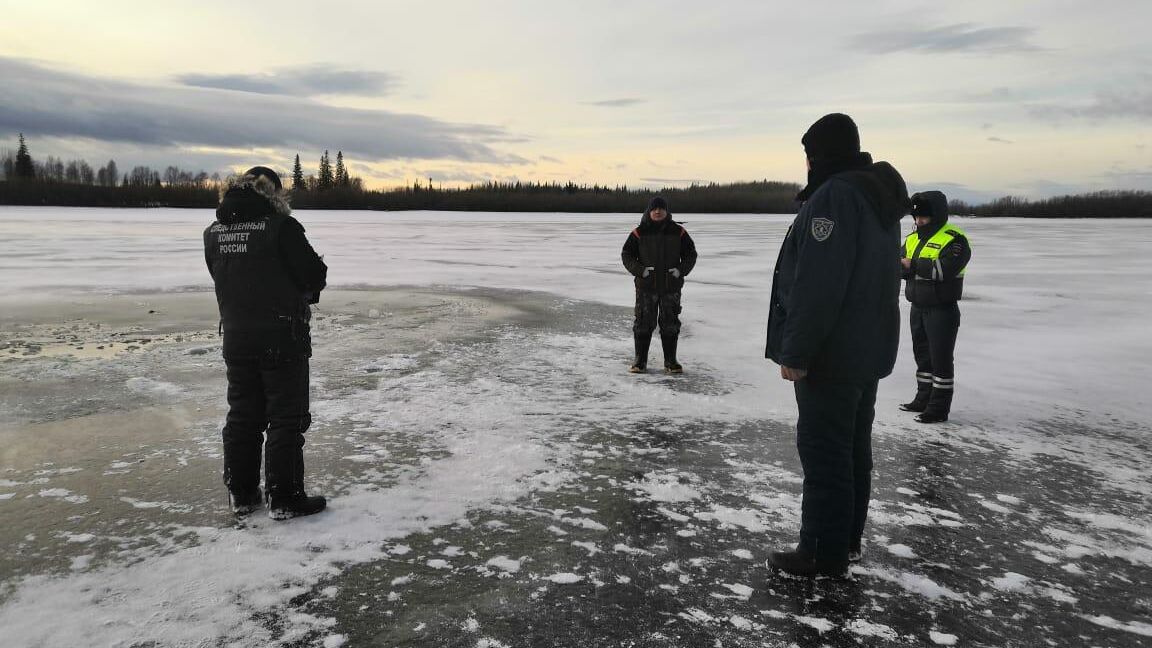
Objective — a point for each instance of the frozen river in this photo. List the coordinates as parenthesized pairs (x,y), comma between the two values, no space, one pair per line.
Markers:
(500,480)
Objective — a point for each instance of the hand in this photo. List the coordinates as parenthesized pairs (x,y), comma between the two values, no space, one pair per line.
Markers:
(675,272)
(647,271)
(906,262)
(788,373)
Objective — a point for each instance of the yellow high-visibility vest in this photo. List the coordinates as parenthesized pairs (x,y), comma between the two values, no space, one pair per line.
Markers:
(931,249)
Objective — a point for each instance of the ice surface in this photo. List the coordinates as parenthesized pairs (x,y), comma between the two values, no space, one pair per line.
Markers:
(536,424)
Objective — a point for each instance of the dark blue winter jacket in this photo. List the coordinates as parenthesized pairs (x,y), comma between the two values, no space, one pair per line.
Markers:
(835,293)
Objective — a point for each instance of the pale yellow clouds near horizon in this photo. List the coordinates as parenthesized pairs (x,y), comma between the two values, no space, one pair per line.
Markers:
(989,98)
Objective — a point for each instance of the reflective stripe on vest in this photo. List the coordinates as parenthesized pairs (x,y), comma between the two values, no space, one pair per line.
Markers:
(931,249)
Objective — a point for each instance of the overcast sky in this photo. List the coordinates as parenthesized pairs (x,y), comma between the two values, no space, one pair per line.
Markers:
(981,98)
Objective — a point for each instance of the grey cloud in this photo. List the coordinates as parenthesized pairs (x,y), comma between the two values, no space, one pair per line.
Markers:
(1000,140)
(549,158)
(616,103)
(1049,189)
(305,81)
(69,105)
(1127,178)
(957,191)
(961,37)
(1107,105)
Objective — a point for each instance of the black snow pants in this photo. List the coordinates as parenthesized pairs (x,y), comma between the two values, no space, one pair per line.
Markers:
(657,309)
(266,394)
(934,330)
(834,438)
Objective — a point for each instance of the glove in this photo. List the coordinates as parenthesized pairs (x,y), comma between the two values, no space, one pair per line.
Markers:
(647,271)
(675,272)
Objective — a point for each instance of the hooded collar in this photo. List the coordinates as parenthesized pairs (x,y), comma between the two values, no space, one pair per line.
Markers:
(250,198)
(884,189)
(824,168)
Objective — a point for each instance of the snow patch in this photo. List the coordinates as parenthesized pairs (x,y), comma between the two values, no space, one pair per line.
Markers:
(1135,627)
(504,564)
(741,591)
(943,639)
(1011,582)
(564,578)
(821,625)
(153,387)
(667,488)
(901,551)
(64,494)
(869,629)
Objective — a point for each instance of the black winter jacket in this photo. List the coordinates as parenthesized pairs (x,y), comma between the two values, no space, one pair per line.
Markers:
(835,294)
(265,273)
(661,246)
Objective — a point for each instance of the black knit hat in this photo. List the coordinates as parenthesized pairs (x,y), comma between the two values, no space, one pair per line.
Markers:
(933,204)
(258,171)
(657,202)
(832,136)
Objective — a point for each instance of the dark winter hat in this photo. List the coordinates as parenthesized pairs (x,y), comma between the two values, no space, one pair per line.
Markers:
(933,204)
(657,202)
(258,171)
(832,136)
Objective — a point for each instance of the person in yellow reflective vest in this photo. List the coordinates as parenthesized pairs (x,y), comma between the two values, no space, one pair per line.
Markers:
(935,258)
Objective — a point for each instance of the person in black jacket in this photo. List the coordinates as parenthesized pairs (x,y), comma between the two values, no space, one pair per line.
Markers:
(833,328)
(659,254)
(266,275)
(936,256)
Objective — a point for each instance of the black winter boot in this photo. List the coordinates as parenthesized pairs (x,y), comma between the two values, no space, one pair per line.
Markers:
(284,476)
(923,393)
(640,364)
(295,505)
(940,404)
(800,562)
(670,364)
(245,502)
(855,552)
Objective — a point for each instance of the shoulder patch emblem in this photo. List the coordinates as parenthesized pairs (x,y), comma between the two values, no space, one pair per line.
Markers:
(822,228)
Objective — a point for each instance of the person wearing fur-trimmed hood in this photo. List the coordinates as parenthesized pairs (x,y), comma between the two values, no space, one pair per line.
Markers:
(266,275)
(659,254)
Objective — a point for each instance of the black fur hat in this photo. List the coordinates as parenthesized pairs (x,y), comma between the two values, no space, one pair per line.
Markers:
(258,171)
(933,204)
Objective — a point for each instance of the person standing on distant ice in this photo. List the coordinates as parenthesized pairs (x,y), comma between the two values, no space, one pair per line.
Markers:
(266,276)
(659,254)
(936,255)
(834,327)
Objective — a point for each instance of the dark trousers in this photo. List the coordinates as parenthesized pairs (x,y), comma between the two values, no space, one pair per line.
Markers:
(657,309)
(834,438)
(934,330)
(266,394)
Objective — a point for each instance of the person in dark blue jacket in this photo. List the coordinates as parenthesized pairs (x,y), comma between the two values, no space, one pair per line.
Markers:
(833,328)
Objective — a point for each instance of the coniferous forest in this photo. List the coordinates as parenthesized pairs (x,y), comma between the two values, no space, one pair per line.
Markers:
(58,182)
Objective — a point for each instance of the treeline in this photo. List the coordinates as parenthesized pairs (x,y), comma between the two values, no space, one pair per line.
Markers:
(54,181)
(1099,204)
(742,197)
(75,183)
